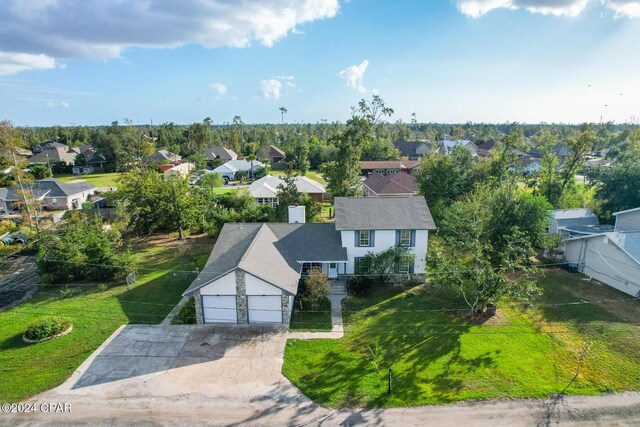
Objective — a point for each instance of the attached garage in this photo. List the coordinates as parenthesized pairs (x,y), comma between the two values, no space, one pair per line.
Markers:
(264,309)
(219,309)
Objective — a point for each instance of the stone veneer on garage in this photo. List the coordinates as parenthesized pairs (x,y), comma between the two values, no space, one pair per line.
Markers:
(241,297)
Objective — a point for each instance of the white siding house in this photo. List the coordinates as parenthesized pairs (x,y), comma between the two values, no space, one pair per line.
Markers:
(375,224)
(628,220)
(613,257)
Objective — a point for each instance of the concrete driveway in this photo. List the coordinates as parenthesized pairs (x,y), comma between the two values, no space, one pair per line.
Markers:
(221,362)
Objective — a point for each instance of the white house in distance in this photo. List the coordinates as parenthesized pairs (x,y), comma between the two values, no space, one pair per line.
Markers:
(265,189)
(181,170)
(253,271)
(52,194)
(610,257)
(229,169)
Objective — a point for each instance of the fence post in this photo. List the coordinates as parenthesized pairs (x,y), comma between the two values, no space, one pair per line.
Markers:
(389,390)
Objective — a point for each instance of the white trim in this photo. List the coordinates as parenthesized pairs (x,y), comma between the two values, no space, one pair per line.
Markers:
(627,211)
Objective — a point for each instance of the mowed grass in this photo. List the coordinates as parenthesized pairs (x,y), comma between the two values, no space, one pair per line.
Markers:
(28,369)
(312,174)
(440,356)
(305,319)
(106,180)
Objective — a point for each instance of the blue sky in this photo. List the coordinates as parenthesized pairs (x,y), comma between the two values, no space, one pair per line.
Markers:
(445,61)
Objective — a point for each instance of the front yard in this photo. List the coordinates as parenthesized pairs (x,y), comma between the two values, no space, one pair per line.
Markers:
(95,312)
(439,356)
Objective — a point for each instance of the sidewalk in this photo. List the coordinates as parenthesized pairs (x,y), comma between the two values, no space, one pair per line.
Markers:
(338,293)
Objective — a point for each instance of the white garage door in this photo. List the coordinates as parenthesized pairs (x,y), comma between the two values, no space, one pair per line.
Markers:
(265,309)
(219,309)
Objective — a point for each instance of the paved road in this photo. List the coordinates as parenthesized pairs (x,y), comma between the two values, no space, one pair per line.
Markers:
(17,281)
(211,375)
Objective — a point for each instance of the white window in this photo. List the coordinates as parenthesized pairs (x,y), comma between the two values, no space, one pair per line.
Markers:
(308,266)
(54,201)
(365,238)
(405,237)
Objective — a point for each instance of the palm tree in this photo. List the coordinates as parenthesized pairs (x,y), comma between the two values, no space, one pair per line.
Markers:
(251,157)
(283,111)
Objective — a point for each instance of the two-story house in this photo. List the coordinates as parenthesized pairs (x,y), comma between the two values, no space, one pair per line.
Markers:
(375,224)
(253,271)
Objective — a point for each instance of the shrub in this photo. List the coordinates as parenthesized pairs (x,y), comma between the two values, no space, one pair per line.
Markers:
(361,286)
(187,314)
(46,327)
(317,287)
(66,292)
(102,287)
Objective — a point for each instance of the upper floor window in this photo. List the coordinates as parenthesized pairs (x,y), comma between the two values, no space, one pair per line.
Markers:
(365,238)
(405,237)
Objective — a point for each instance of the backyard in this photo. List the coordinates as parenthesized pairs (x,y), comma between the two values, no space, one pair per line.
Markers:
(439,354)
(103,180)
(165,266)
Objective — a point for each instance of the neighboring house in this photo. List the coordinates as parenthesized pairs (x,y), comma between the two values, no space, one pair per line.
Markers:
(591,163)
(253,272)
(399,184)
(575,222)
(274,154)
(265,190)
(229,169)
(181,170)
(51,152)
(487,147)
(219,153)
(528,166)
(611,257)
(94,163)
(162,156)
(414,150)
(375,224)
(387,167)
(446,147)
(53,194)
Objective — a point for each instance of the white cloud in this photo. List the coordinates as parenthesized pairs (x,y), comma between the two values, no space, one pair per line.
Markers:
(353,76)
(477,8)
(102,29)
(628,8)
(52,104)
(12,63)
(270,89)
(375,91)
(218,87)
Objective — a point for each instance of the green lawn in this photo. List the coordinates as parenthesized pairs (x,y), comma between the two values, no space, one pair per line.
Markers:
(305,319)
(312,174)
(98,179)
(439,357)
(30,369)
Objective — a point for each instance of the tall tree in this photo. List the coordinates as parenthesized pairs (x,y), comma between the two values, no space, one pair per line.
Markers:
(283,111)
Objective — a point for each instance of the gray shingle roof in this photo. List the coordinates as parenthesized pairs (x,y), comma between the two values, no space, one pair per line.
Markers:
(383,213)
(270,251)
(48,187)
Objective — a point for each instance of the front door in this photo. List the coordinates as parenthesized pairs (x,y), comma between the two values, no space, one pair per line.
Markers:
(333,270)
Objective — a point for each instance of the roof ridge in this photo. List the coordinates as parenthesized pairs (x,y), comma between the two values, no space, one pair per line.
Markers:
(253,242)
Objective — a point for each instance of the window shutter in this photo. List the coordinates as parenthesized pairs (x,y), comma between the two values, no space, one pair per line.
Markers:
(356,265)
(372,238)
(397,237)
(357,238)
(411,268)
(413,239)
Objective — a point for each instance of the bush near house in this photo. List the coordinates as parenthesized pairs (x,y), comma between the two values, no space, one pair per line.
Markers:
(187,314)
